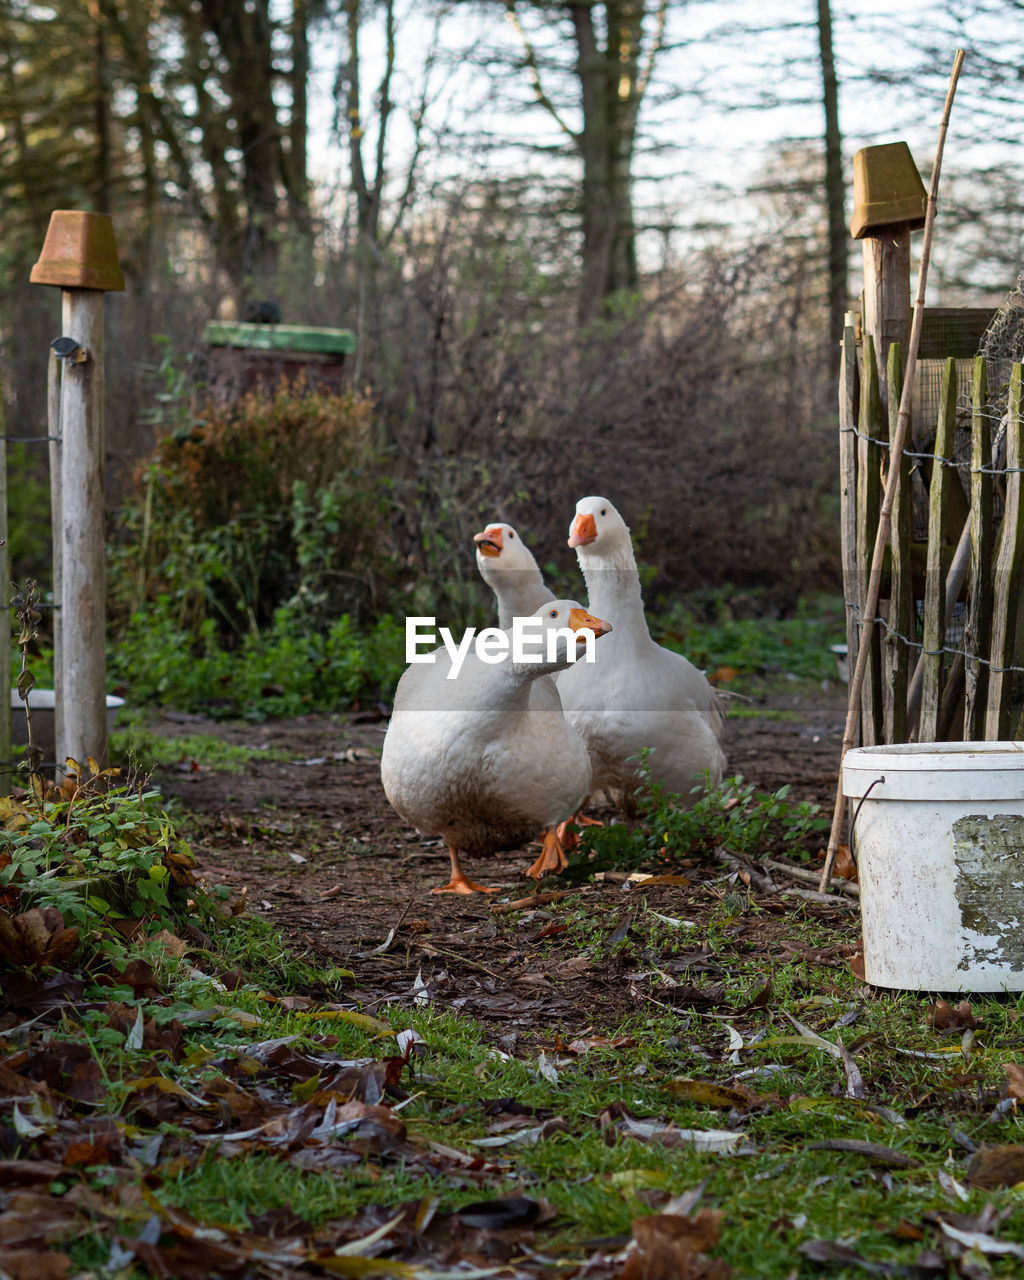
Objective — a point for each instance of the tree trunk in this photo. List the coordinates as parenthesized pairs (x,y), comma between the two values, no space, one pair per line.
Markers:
(834,192)
(102,182)
(608,94)
(243,33)
(297,172)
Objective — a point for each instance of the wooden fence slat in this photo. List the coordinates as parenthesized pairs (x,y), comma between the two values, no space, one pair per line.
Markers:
(979,595)
(1007,578)
(873,426)
(848,390)
(943,477)
(901,602)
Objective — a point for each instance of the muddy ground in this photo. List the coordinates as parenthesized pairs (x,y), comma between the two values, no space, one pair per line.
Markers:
(308,838)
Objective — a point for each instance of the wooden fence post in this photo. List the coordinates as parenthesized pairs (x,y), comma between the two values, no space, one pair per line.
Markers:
(869,495)
(80,256)
(935,605)
(901,601)
(1007,577)
(848,393)
(979,596)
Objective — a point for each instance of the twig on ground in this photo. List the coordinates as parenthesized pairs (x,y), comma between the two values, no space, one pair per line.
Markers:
(534,900)
(812,877)
(757,877)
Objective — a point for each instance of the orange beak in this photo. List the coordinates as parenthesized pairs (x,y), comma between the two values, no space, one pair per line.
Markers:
(489,542)
(584,531)
(580,619)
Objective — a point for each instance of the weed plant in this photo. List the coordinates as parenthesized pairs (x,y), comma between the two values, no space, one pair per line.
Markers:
(731,815)
(107,859)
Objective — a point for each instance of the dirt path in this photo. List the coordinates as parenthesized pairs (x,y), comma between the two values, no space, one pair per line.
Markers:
(312,843)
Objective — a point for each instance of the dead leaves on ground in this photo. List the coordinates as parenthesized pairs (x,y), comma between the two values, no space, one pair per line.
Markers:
(36,937)
(956,1244)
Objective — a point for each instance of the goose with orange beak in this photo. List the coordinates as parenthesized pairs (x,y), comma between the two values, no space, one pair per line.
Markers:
(637,694)
(507,565)
(474,761)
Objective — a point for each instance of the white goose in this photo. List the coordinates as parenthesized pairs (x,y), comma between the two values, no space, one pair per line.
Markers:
(507,565)
(637,694)
(474,761)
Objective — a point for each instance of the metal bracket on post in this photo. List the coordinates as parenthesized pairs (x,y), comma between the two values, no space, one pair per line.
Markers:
(69,350)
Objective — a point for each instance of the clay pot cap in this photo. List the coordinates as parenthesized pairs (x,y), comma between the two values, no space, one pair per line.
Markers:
(887,188)
(80,252)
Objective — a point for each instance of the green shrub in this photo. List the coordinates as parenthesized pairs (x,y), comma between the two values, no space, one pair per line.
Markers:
(283,499)
(289,668)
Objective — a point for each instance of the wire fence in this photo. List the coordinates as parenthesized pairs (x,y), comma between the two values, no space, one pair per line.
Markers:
(947,658)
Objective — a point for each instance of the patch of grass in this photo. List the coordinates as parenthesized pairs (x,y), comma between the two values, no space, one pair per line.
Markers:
(143,750)
(186,1066)
(747,711)
(780,1189)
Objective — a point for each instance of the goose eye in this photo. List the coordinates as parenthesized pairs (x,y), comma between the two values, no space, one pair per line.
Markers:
(603,511)
(553,613)
(511,535)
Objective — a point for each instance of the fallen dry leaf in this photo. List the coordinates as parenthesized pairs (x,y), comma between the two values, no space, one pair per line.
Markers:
(944,1017)
(32,1264)
(36,937)
(1014,1079)
(993,1167)
(874,1151)
(706,1094)
(670,1247)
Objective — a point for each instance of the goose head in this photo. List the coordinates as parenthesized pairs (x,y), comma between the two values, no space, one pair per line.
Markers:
(563,636)
(599,527)
(500,547)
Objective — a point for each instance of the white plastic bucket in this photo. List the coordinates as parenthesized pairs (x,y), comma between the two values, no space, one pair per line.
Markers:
(40,705)
(939,841)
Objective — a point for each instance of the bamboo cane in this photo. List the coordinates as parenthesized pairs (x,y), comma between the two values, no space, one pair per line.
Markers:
(892,480)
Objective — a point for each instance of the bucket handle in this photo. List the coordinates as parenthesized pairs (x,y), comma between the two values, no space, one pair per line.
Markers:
(856,812)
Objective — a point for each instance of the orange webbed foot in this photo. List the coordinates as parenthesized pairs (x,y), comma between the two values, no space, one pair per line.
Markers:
(552,857)
(571,839)
(460,882)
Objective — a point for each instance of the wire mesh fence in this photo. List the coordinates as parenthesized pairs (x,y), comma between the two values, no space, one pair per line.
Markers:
(947,658)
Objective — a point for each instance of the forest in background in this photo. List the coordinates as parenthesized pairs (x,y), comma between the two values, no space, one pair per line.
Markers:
(528,214)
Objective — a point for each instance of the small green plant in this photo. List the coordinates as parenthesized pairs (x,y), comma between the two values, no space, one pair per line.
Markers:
(731,815)
(107,859)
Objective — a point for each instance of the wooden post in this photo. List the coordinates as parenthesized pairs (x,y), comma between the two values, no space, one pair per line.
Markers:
(887,296)
(977,628)
(901,600)
(53,388)
(6,761)
(873,428)
(83,671)
(931,667)
(849,389)
(889,202)
(1007,572)
(80,256)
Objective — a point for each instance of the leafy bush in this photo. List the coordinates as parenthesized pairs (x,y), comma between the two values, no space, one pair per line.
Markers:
(289,668)
(280,500)
(756,644)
